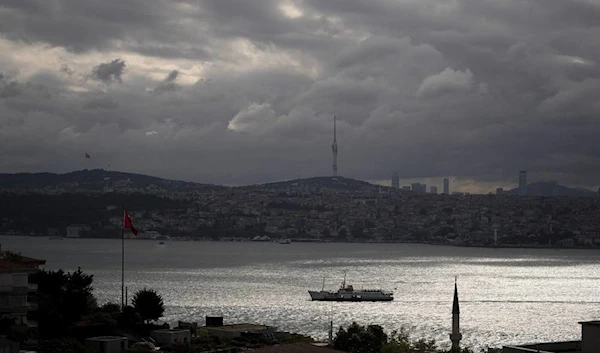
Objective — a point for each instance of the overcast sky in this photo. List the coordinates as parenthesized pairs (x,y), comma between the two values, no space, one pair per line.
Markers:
(244,91)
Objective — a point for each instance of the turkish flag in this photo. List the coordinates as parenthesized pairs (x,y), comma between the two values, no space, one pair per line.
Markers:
(127,223)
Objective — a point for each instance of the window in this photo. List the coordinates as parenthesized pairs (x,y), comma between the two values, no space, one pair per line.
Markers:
(20,280)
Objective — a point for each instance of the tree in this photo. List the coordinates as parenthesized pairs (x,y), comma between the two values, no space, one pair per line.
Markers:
(148,304)
(360,339)
(63,298)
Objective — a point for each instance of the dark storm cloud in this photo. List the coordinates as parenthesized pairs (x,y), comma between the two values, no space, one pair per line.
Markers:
(168,84)
(109,72)
(477,89)
(8,88)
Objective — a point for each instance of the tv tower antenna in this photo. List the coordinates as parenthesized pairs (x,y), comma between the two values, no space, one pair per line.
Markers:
(334,148)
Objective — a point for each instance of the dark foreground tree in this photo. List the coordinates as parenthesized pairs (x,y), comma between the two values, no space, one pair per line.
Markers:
(148,304)
(63,299)
(360,339)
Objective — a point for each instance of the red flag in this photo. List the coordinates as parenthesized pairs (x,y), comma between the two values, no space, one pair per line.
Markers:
(127,223)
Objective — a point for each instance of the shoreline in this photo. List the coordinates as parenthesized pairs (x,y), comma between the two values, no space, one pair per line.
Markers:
(499,246)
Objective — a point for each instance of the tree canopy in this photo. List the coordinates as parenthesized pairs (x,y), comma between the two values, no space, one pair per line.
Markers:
(148,304)
(63,299)
(360,339)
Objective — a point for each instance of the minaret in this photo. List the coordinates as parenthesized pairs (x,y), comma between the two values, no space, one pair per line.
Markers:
(334,149)
(455,336)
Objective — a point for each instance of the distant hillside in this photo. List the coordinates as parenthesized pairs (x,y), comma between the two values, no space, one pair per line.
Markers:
(547,188)
(95,180)
(340,183)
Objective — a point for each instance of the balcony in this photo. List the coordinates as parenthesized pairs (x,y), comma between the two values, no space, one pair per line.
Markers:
(5,289)
(15,309)
(33,287)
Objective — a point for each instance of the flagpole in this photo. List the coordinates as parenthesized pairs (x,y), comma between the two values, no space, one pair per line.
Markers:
(123,259)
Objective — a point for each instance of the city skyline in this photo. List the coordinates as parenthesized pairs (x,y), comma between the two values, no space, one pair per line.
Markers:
(186,90)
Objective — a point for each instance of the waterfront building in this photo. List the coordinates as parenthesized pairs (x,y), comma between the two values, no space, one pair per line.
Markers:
(76,230)
(446,186)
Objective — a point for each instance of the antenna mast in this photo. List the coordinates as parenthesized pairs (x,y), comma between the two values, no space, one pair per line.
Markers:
(334,147)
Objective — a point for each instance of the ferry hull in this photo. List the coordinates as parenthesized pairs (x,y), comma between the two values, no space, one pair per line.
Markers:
(349,297)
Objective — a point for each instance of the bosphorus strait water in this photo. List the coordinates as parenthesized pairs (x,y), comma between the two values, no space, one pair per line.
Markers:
(507,296)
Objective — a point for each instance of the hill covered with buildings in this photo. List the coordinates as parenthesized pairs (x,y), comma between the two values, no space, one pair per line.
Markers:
(314,209)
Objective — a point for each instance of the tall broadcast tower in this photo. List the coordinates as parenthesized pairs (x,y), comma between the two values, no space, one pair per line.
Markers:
(334,149)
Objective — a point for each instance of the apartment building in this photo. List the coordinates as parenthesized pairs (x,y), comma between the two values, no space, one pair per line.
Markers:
(15,286)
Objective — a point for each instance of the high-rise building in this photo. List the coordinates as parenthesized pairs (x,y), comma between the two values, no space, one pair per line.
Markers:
(446,186)
(499,191)
(334,148)
(395,180)
(433,190)
(523,183)
(418,187)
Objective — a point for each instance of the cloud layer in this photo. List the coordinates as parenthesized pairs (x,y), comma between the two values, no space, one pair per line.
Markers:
(241,92)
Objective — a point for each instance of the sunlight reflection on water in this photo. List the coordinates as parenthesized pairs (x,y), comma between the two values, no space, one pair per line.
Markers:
(508,296)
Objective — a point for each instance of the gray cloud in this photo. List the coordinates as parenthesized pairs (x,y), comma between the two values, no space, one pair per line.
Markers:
(168,84)
(470,88)
(101,103)
(109,72)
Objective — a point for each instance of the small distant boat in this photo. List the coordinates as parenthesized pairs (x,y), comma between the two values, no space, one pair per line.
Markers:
(284,241)
(55,238)
(347,293)
(161,243)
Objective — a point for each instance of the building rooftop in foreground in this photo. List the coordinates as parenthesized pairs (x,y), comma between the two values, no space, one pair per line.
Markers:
(107,338)
(590,342)
(240,327)
(299,347)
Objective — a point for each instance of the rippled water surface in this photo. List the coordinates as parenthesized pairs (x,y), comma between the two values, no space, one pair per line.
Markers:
(507,296)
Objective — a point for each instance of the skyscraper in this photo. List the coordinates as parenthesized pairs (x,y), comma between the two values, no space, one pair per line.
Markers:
(523,183)
(419,188)
(334,149)
(433,190)
(395,180)
(446,186)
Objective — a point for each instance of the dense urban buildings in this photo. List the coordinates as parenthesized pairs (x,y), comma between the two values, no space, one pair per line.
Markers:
(315,209)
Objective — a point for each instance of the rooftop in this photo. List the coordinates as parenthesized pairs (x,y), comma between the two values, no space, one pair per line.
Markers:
(18,258)
(238,327)
(168,330)
(107,338)
(593,322)
(299,347)
(10,267)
